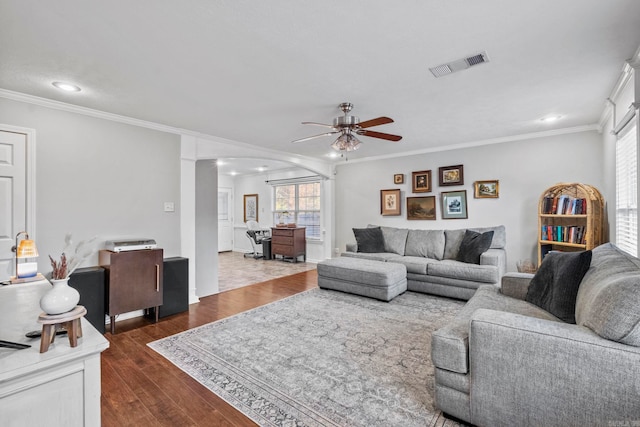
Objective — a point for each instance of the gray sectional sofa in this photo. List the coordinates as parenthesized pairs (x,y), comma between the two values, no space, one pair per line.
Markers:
(430,260)
(505,362)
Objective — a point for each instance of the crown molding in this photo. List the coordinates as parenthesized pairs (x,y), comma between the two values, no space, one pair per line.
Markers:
(472,144)
(63,106)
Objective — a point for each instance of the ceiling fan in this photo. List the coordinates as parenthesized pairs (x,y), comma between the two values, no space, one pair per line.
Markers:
(349,126)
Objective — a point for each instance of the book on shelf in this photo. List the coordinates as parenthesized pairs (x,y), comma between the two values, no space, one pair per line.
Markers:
(563,233)
(564,205)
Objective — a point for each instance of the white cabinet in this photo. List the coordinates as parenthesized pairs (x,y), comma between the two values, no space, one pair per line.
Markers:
(58,388)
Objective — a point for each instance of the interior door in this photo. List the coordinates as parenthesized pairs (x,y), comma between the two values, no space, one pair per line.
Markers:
(225,220)
(13,201)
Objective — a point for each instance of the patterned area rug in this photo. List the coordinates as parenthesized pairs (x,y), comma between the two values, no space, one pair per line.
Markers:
(321,358)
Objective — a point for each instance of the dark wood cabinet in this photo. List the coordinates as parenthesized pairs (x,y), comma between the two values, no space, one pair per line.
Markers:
(134,281)
(90,282)
(175,283)
(289,243)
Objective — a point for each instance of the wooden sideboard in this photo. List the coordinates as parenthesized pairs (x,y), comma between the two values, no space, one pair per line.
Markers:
(60,387)
(289,243)
(134,281)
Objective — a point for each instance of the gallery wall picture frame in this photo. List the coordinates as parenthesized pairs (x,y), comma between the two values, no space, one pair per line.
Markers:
(390,202)
(421,208)
(451,175)
(250,207)
(398,178)
(489,189)
(421,181)
(454,204)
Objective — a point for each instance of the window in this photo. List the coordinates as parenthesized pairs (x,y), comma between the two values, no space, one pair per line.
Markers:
(299,203)
(627,189)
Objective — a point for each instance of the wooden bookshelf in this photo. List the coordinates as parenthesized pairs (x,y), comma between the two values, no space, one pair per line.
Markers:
(570,218)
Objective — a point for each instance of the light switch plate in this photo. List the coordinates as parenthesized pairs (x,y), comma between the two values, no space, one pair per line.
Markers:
(169,207)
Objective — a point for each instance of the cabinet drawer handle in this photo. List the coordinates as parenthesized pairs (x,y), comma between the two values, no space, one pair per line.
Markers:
(157,278)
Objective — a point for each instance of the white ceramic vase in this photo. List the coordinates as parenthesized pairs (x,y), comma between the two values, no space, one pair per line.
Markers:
(59,299)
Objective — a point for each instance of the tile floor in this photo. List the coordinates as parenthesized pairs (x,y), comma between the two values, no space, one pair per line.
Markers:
(236,271)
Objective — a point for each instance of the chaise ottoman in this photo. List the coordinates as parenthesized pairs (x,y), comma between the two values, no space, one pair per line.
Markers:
(368,278)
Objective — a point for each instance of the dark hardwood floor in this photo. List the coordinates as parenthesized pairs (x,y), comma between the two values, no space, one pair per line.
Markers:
(142,388)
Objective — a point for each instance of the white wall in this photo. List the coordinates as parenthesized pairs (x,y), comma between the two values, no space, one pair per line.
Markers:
(524,168)
(97,177)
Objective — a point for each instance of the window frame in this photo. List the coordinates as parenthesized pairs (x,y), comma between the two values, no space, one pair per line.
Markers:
(626,205)
(295,213)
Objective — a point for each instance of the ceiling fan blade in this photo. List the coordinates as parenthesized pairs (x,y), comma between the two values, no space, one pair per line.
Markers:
(376,122)
(381,135)
(317,124)
(314,136)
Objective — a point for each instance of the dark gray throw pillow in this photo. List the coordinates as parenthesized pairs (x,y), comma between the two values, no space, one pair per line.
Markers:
(369,239)
(555,285)
(473,245)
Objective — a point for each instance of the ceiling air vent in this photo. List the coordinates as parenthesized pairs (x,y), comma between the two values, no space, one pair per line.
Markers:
(460,64)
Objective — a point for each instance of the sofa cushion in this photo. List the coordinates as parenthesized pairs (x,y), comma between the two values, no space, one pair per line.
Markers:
(369,239)
(554,287)
(414,264)
(395,239)
(450,344)
(463,271)
(473,245)
(379,256)
(609,296)
(453,239)
(425,243)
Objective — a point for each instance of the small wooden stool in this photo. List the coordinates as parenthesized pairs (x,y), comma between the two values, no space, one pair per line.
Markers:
(69,320)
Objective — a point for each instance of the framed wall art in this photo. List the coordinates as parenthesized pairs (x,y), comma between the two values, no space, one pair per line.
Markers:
(486,189)
(398,178)
(454,204)
(390,202)
(250,207)
(451,175)
(421,181)
(421,207)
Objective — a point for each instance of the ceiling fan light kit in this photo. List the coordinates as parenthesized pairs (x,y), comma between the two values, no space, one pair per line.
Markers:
(347,126)
(346,142)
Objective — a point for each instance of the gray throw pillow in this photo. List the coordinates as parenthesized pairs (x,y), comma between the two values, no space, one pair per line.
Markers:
(555,285)
(473,245)
(369,239)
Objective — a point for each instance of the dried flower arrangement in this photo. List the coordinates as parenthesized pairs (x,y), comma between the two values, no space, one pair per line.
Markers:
(64,268)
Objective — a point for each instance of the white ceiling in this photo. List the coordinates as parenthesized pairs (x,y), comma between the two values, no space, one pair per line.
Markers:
(251,71)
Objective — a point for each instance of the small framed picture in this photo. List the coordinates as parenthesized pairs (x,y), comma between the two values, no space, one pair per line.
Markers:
(421,207)
(454,204)
(451,175)
(421,181)
(250,207)
(486,189)
(390,202)
(398,178)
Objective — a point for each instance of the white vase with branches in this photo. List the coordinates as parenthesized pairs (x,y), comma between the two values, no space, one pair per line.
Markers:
(62,297)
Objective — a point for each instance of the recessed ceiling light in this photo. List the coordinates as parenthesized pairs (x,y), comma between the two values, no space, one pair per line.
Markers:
(333,154)
(550,119)
(234,173)
(220,162)
(66,87)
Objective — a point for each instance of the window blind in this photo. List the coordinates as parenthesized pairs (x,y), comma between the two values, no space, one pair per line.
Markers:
(627,188)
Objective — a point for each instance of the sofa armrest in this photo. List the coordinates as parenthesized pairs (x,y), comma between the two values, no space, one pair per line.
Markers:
(516,285)
(352,247)
(497,257)
(528,371)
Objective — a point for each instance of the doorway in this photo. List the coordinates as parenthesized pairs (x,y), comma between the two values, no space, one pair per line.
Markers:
(16,192)
(225,219)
